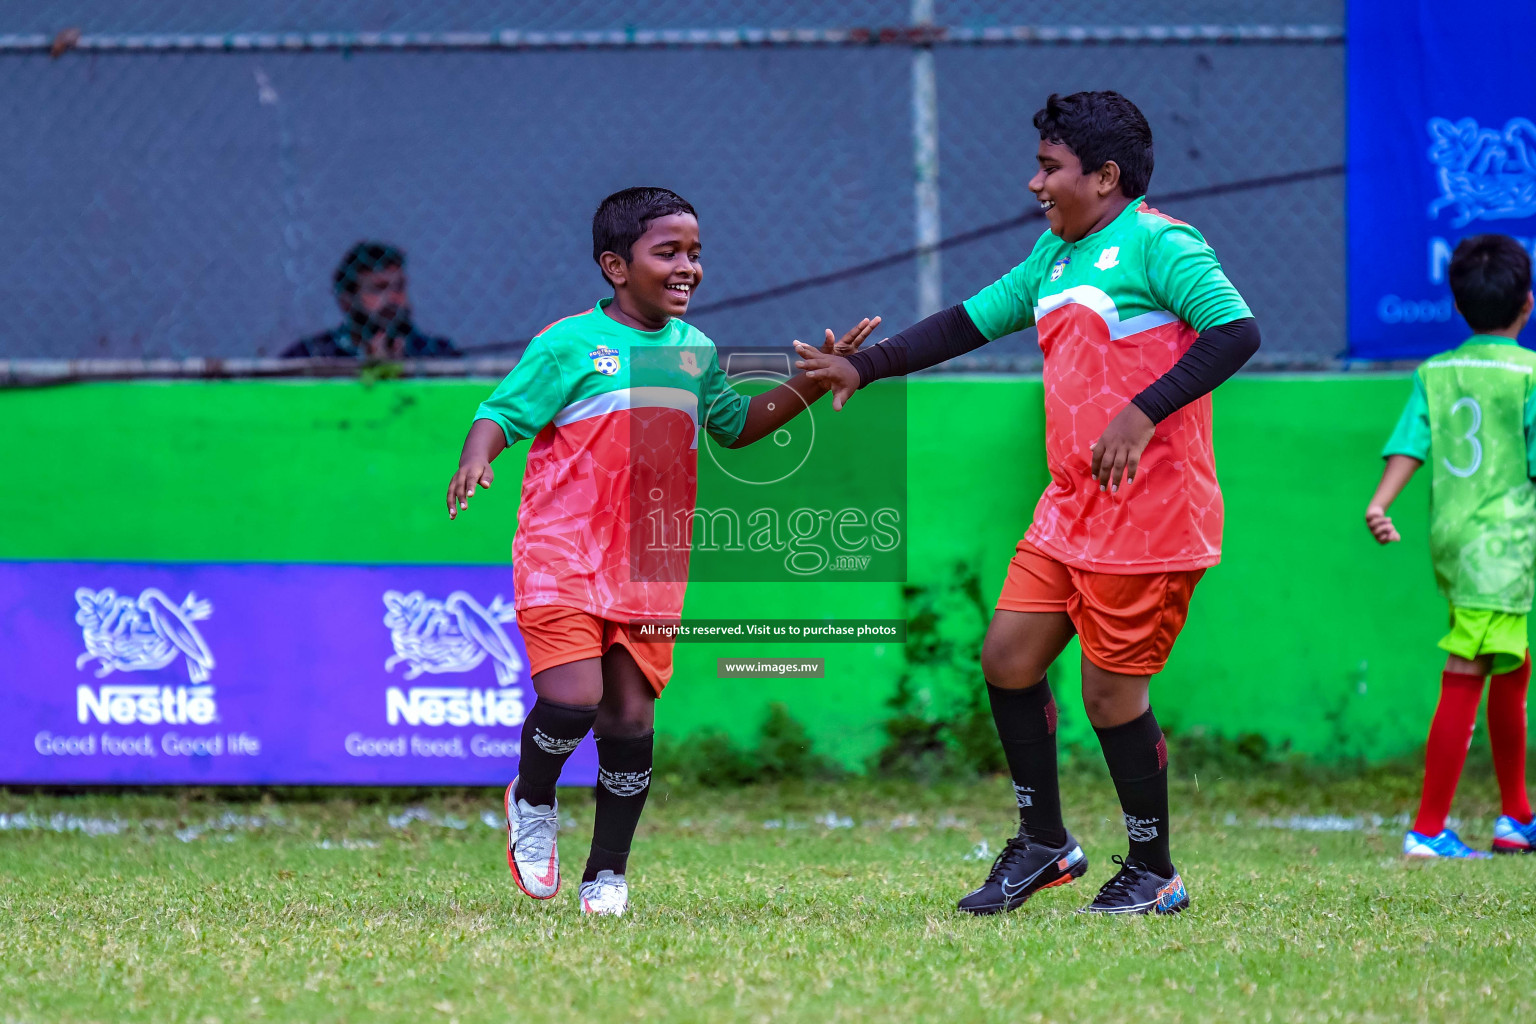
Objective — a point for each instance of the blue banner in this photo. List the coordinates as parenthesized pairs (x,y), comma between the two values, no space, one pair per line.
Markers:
(273,674)
(1442,144)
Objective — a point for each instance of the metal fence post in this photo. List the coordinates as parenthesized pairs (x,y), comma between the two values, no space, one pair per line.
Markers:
(925,158)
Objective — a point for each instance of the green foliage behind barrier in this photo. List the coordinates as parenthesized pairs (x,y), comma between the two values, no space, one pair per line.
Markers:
(1307,634)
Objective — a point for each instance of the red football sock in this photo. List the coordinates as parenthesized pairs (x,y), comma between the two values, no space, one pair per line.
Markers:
(1506,734)
(1450,734)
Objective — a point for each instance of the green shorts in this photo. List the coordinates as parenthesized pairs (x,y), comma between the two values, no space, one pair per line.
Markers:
(1477,631)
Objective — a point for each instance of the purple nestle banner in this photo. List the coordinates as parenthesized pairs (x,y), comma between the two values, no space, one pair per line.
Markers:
(238,674)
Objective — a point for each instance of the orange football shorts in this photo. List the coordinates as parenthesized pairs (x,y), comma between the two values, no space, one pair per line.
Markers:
(1127,624)
(555,635)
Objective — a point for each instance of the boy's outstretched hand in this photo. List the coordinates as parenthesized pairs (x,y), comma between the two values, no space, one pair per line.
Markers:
(769,411)
(1380,525)
(849,343)
(830,367)
(1117,452)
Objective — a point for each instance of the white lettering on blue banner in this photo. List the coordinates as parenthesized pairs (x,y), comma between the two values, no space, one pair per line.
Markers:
(454,705)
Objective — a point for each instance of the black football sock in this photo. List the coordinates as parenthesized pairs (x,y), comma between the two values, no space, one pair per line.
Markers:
(623,782)
(1026,724)
(1137,756)
(550,732)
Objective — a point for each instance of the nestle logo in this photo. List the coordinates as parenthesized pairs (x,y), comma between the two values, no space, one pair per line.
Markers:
(146,705)
(453,705)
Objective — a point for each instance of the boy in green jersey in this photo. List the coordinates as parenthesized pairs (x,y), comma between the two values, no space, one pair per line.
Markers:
(614,401)
(1138,324)
(1472,414)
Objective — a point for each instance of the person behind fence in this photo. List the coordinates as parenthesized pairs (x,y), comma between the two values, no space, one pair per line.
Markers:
(613,400)
(377,322)
(1472,414)
(1138,324)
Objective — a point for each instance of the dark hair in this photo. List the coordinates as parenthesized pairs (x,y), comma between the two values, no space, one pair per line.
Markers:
(1490,277)
(362,257)
(622,218)
(1100,127)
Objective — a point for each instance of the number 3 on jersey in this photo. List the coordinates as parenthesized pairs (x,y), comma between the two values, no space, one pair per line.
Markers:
(1469,403)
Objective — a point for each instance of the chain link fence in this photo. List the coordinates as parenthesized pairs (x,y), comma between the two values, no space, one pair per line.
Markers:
(220,16)
(184,178)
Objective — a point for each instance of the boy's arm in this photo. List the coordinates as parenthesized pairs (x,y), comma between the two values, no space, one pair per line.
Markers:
(1400,469)
(1530,430)
(774,408)
(943,336)
(519,408)
(1405,452)
(1003,307)
(484,443)
(1186,279)
(929,342)
(1217,354)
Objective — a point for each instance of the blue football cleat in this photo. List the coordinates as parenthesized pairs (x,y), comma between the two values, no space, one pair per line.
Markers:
(1446,844)
(1509,836)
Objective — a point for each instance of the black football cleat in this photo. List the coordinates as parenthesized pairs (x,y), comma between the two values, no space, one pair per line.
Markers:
(1023,869)
(1137,889)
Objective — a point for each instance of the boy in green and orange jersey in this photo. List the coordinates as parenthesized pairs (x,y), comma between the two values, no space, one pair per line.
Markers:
(1473,412)
(613,400)
(1138,324)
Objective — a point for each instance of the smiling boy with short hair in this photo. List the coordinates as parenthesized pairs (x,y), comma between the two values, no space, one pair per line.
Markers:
(613,400)
(1138,325)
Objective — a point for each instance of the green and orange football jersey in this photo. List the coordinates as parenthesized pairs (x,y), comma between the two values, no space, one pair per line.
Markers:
(1116,310)
(614,414)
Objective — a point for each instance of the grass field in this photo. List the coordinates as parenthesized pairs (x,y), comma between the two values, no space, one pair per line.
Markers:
(801,902)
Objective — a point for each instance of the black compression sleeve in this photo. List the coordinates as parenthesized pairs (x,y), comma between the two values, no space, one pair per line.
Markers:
(929,342)
(1217,354)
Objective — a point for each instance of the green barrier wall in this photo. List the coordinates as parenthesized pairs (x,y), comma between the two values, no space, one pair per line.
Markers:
(1307,632)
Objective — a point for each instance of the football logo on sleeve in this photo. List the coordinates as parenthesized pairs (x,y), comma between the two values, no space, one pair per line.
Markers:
(605,360)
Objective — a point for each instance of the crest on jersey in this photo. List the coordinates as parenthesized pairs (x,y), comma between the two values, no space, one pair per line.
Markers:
(1058,267)
(1109,258)
(605,360)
